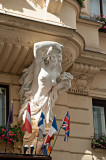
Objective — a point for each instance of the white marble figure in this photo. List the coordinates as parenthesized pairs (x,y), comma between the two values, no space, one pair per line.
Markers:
(41,81)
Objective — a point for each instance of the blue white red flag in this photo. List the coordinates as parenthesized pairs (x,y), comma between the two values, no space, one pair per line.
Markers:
(41,125)
(66,126)
(49,137)
(27,126)
(51,132)
(10,118)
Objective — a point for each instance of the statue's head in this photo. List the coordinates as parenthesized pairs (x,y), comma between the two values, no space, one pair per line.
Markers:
(49,53)
(54,55)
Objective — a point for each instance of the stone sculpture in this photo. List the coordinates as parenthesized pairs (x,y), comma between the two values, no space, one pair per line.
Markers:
(42,81)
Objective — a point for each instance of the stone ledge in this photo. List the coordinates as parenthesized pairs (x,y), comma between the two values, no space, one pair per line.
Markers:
(26,34)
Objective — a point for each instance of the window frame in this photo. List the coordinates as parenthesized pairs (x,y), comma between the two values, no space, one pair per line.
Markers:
(100,103)
(7,99)
(101,8)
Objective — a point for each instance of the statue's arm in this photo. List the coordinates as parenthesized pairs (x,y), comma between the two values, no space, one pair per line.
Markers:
(45,44)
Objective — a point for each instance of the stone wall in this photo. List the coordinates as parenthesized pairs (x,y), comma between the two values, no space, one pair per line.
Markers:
(81,127)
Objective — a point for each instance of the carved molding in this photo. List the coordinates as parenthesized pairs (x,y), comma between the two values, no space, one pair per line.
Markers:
(84,68)
(76,91)
(70,53)
(83,76)
(97,92)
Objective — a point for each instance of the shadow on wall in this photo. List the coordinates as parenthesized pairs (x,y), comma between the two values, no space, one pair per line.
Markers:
(18,5)
(96,154)
(99,154)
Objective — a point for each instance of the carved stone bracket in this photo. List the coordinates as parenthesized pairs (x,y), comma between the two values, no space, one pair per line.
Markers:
(70,54)
(83,76)
(54,6)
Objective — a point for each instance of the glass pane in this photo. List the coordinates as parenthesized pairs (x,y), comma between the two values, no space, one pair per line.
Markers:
(99,120)
(2,106)
(94,7)
(104,7)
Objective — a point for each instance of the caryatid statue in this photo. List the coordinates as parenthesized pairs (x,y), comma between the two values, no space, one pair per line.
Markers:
(42,81)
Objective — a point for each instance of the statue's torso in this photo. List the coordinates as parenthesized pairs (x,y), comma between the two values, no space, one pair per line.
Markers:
(46,80)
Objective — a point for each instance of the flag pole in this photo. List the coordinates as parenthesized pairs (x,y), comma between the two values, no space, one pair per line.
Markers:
(10,120)
(55,139)
(5,147)
(36,144)
(42,143)
(38,140)
(57,136)
(41,125)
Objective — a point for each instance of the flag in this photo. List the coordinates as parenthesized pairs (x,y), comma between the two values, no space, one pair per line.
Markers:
(51,132)
(49,137)
(41,125)
(66,126)
(49,149)
(50,146)
(44,149)
(10,118)
(27,126)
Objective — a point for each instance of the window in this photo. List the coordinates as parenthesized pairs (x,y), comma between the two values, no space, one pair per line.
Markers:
(99,116)
(97,7)
(4,104)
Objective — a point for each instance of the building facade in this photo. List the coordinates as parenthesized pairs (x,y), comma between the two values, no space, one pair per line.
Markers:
(24,22)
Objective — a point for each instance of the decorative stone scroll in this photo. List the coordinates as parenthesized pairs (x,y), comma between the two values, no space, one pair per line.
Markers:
(83,77)
(42,81)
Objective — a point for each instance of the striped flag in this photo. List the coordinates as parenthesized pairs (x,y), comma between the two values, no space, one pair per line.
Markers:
(49,138)
(41,125)
(51,132)
(66,126)
(27,126)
